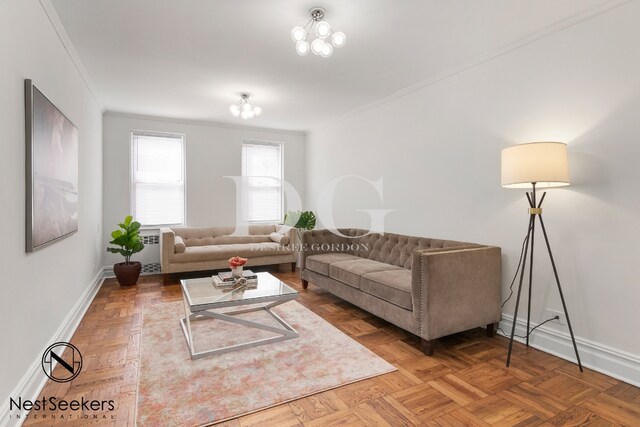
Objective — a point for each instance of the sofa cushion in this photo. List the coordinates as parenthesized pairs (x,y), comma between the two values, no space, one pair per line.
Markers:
(283,239)
(179,246)
(350,271)
(221,252)
(393,286)
(320,263)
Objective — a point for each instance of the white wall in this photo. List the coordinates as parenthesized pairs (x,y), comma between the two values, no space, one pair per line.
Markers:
(438,151)
(212,152)
(39,289)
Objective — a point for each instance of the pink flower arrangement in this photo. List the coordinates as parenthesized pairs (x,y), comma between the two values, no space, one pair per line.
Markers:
(237,261)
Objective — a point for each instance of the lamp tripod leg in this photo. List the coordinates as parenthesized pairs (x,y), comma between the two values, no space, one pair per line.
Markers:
(515,313)
(564,305)
(533,231)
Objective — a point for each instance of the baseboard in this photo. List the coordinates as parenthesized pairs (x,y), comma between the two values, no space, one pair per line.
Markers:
(33,380)
(107,272)
(607,360)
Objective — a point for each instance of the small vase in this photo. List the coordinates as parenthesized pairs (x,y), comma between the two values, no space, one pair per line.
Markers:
(236,272)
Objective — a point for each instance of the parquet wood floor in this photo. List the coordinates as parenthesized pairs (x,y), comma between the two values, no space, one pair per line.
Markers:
(465,383)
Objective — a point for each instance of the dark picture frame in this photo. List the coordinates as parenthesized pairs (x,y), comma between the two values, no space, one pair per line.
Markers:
(51,171)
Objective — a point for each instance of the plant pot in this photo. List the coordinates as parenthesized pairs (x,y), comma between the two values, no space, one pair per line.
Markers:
(127,274)
(236,272)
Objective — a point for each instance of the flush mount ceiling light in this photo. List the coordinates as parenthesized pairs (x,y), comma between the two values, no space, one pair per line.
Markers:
(326,39)
(244,108)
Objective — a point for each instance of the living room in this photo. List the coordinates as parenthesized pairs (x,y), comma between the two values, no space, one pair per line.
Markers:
(405,146)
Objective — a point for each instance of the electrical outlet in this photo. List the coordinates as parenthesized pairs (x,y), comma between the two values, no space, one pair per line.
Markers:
(562,319)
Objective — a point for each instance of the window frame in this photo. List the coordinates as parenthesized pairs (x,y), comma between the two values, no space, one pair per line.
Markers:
(279,144)
(133,182)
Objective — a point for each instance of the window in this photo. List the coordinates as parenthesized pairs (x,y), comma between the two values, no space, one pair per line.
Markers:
(262,181)
(157,184)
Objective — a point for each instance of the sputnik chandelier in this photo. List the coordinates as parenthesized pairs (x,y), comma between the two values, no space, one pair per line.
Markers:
(245,108)
(326,39)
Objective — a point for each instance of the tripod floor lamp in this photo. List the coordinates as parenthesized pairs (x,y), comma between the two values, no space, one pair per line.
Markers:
(532,166)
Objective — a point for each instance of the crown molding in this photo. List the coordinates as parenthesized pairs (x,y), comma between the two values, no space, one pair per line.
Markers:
(208,123)
(51,13)
(524,41)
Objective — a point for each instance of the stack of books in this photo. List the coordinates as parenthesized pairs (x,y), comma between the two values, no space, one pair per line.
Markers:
(225,280)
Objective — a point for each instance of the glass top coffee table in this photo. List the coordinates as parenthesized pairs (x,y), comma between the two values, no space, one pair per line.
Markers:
(202,300)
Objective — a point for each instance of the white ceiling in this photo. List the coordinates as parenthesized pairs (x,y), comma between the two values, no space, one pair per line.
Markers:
(191,59)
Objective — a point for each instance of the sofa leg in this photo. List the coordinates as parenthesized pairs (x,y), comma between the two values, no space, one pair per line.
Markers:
(492,329)
(305,284)
(428,346)
(293,267)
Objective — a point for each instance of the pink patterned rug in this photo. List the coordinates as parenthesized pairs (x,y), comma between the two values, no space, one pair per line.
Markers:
(174,390)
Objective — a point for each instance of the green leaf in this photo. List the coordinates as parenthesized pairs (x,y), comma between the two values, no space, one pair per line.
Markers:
(128,220)
(291,218)
(121,240)
(133,227)
(305,220)
(116,234)
(118,251)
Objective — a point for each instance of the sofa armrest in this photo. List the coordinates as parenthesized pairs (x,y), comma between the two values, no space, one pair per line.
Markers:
(319,242)
(292,233)
(457,289)
(167,248)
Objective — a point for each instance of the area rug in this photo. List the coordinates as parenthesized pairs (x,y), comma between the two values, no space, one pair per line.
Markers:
(174,390)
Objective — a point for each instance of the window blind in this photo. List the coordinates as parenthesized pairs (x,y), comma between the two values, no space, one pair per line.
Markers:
(158,179)
(262,181)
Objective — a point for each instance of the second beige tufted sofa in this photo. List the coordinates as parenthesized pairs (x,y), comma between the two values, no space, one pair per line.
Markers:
(209,248)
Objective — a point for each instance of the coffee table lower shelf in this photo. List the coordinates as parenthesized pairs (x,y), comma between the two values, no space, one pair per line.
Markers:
(285,333)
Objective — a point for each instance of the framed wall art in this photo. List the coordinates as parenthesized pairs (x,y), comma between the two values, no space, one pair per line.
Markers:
(51,171)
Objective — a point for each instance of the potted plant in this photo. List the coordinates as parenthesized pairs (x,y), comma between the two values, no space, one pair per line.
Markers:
(127,240)
(301,221)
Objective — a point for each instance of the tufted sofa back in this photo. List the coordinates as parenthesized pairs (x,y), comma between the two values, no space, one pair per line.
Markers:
(200,236)
(390,248)
(394,249)
(397,249)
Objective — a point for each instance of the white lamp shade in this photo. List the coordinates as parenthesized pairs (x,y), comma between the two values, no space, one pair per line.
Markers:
(302,47)
(323,29)
(544,163)
(316,46)
(338,39)
(327,50)
(298,34)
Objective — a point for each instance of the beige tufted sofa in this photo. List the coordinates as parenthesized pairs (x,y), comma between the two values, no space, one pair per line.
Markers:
(209,248)
(429,287)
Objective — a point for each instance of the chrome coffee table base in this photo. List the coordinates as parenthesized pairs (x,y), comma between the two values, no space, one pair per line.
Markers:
(285,333)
